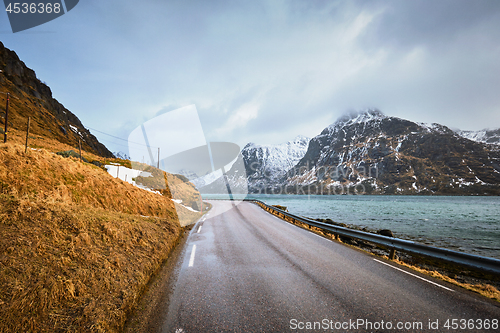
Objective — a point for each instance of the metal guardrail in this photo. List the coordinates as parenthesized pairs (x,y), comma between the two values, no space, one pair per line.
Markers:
(482,263)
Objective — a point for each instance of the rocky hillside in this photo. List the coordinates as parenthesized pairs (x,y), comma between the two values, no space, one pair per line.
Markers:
(370,153)
(30,97)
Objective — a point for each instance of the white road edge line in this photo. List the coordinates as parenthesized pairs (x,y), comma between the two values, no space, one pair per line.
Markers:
(191,260)
(317,235)
(199,229)
(418,277)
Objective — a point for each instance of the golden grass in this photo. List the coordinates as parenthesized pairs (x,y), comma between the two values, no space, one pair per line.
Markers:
(45,125)
(41,175)
(37,142)
(480,288)
(75,252)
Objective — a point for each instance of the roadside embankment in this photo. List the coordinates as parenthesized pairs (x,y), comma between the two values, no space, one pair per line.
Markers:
(78,246)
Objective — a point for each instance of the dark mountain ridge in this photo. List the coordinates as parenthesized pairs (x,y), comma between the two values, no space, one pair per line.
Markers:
(373,153)
(368,152)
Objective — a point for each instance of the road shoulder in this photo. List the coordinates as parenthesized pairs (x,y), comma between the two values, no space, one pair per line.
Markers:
(150,310)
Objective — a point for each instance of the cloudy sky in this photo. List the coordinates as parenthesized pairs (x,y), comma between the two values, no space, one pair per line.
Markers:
(266,71)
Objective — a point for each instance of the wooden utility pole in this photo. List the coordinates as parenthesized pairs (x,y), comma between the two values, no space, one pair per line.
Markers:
(27,135)
(80,145)
(201,205)
(158,158)
(6,118)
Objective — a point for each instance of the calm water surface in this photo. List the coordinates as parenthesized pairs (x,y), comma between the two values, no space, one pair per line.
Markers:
(466,224)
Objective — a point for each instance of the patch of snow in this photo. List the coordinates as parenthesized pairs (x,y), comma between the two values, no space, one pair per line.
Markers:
(75,129)
(480,181)
(179,202)
(359,117)
(484,136)
(119,171)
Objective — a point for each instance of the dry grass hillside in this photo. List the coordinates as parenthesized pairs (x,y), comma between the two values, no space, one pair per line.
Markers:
(53,145)
(30,97)
(78,246)
(179,188)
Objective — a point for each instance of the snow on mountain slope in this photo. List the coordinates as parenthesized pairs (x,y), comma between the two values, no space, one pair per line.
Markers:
(264,166)
(484,136)
(390,155)
(273,161)
(371,153)
(121,155)
(356,117)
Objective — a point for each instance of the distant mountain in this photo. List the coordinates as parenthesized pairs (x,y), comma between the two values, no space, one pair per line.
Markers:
(368,152)
(264,166)
(121,155)
(30,97)
(484,136)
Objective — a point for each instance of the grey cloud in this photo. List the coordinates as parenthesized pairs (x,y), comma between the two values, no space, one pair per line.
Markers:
(409,23)
(301,63)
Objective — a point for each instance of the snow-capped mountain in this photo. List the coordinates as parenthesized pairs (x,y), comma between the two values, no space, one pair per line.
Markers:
(264,165)
(370,152)
(484,136)
(121,155)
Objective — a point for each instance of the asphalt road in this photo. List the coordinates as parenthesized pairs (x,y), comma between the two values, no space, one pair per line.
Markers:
(244,270)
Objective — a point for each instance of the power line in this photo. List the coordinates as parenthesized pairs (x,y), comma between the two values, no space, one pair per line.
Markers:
(141,144)
(113,142)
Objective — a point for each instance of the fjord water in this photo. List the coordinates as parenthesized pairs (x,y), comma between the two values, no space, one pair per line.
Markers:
(461,223)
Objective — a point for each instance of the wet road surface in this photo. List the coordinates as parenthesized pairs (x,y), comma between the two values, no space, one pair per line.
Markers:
(244,270)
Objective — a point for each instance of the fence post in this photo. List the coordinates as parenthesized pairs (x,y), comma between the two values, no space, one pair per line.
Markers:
(27,135)
(80,145)
(6,119)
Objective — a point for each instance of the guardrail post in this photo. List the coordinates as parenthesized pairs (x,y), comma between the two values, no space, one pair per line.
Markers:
(392,255)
